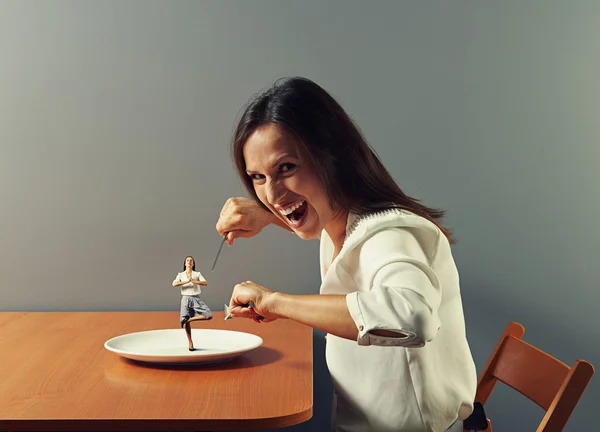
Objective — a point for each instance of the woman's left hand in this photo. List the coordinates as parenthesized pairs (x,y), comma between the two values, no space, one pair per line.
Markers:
(248,291)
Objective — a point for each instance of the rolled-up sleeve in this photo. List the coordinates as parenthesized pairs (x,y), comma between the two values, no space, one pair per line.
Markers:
(404,294)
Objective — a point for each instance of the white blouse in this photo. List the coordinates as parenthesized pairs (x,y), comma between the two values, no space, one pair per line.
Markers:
(398,274)
(189,288)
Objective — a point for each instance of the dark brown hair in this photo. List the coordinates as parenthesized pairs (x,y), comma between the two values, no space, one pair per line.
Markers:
(194,266)
(331,145)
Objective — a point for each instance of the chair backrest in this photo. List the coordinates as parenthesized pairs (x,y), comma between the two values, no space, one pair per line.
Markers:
(537,375)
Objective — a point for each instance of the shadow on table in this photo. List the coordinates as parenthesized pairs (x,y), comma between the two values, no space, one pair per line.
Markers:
(258,357)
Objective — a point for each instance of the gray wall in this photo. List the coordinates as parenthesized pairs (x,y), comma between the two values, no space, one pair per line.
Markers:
(116,118)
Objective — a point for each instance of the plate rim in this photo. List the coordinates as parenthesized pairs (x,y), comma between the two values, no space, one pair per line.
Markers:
(199,354)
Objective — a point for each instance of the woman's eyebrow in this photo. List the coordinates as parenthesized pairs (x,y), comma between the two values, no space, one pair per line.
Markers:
(283,157)
(279,159)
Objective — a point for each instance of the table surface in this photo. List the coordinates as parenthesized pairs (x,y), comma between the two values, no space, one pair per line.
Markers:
(55,374)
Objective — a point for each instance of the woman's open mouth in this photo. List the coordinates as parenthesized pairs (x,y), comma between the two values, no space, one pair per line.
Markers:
(296,214)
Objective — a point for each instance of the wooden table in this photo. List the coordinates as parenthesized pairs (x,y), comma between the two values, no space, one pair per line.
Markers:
(55,374)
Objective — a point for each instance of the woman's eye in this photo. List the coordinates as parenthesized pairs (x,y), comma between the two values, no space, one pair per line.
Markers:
(287,167)
(256,176)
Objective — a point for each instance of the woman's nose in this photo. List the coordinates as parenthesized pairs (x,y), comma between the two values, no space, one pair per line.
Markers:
(274,192)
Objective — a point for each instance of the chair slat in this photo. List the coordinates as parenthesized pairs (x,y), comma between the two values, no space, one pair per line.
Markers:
(532,372)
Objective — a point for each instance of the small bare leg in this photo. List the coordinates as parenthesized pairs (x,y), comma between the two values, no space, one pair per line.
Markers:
(188,328)
(188,332)
(198,318)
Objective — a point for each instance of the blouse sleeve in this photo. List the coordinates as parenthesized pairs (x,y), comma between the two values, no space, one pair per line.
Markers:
(177,278)
(405,292)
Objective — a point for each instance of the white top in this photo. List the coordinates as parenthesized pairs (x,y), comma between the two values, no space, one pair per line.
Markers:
(398,273)
(189,288)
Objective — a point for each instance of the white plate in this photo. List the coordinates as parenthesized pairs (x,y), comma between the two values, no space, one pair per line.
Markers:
(171,345)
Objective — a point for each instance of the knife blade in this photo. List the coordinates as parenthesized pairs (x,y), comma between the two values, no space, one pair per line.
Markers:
(219,252)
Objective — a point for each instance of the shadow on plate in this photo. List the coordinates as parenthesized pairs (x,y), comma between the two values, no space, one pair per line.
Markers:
(257,357)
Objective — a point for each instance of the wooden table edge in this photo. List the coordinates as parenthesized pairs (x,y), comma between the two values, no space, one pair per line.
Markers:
(157,424)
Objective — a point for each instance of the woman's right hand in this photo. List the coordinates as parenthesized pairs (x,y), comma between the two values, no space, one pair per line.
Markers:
(242,217)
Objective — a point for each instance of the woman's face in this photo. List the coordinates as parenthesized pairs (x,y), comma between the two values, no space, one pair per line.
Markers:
(189,262)
(291,190)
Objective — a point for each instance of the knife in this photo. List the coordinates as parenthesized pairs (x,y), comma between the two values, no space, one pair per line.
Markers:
(219,252)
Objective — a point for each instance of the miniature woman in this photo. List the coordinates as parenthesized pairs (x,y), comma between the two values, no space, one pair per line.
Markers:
(192,307)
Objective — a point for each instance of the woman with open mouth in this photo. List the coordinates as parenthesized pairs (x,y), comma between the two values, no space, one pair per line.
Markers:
(389,298)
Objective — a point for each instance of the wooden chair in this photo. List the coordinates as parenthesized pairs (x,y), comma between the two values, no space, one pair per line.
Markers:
(537,375)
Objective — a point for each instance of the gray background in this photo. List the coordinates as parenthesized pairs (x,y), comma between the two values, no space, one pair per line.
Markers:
(116,119)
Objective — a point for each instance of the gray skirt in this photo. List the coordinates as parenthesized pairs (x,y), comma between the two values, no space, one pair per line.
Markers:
(191,305)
